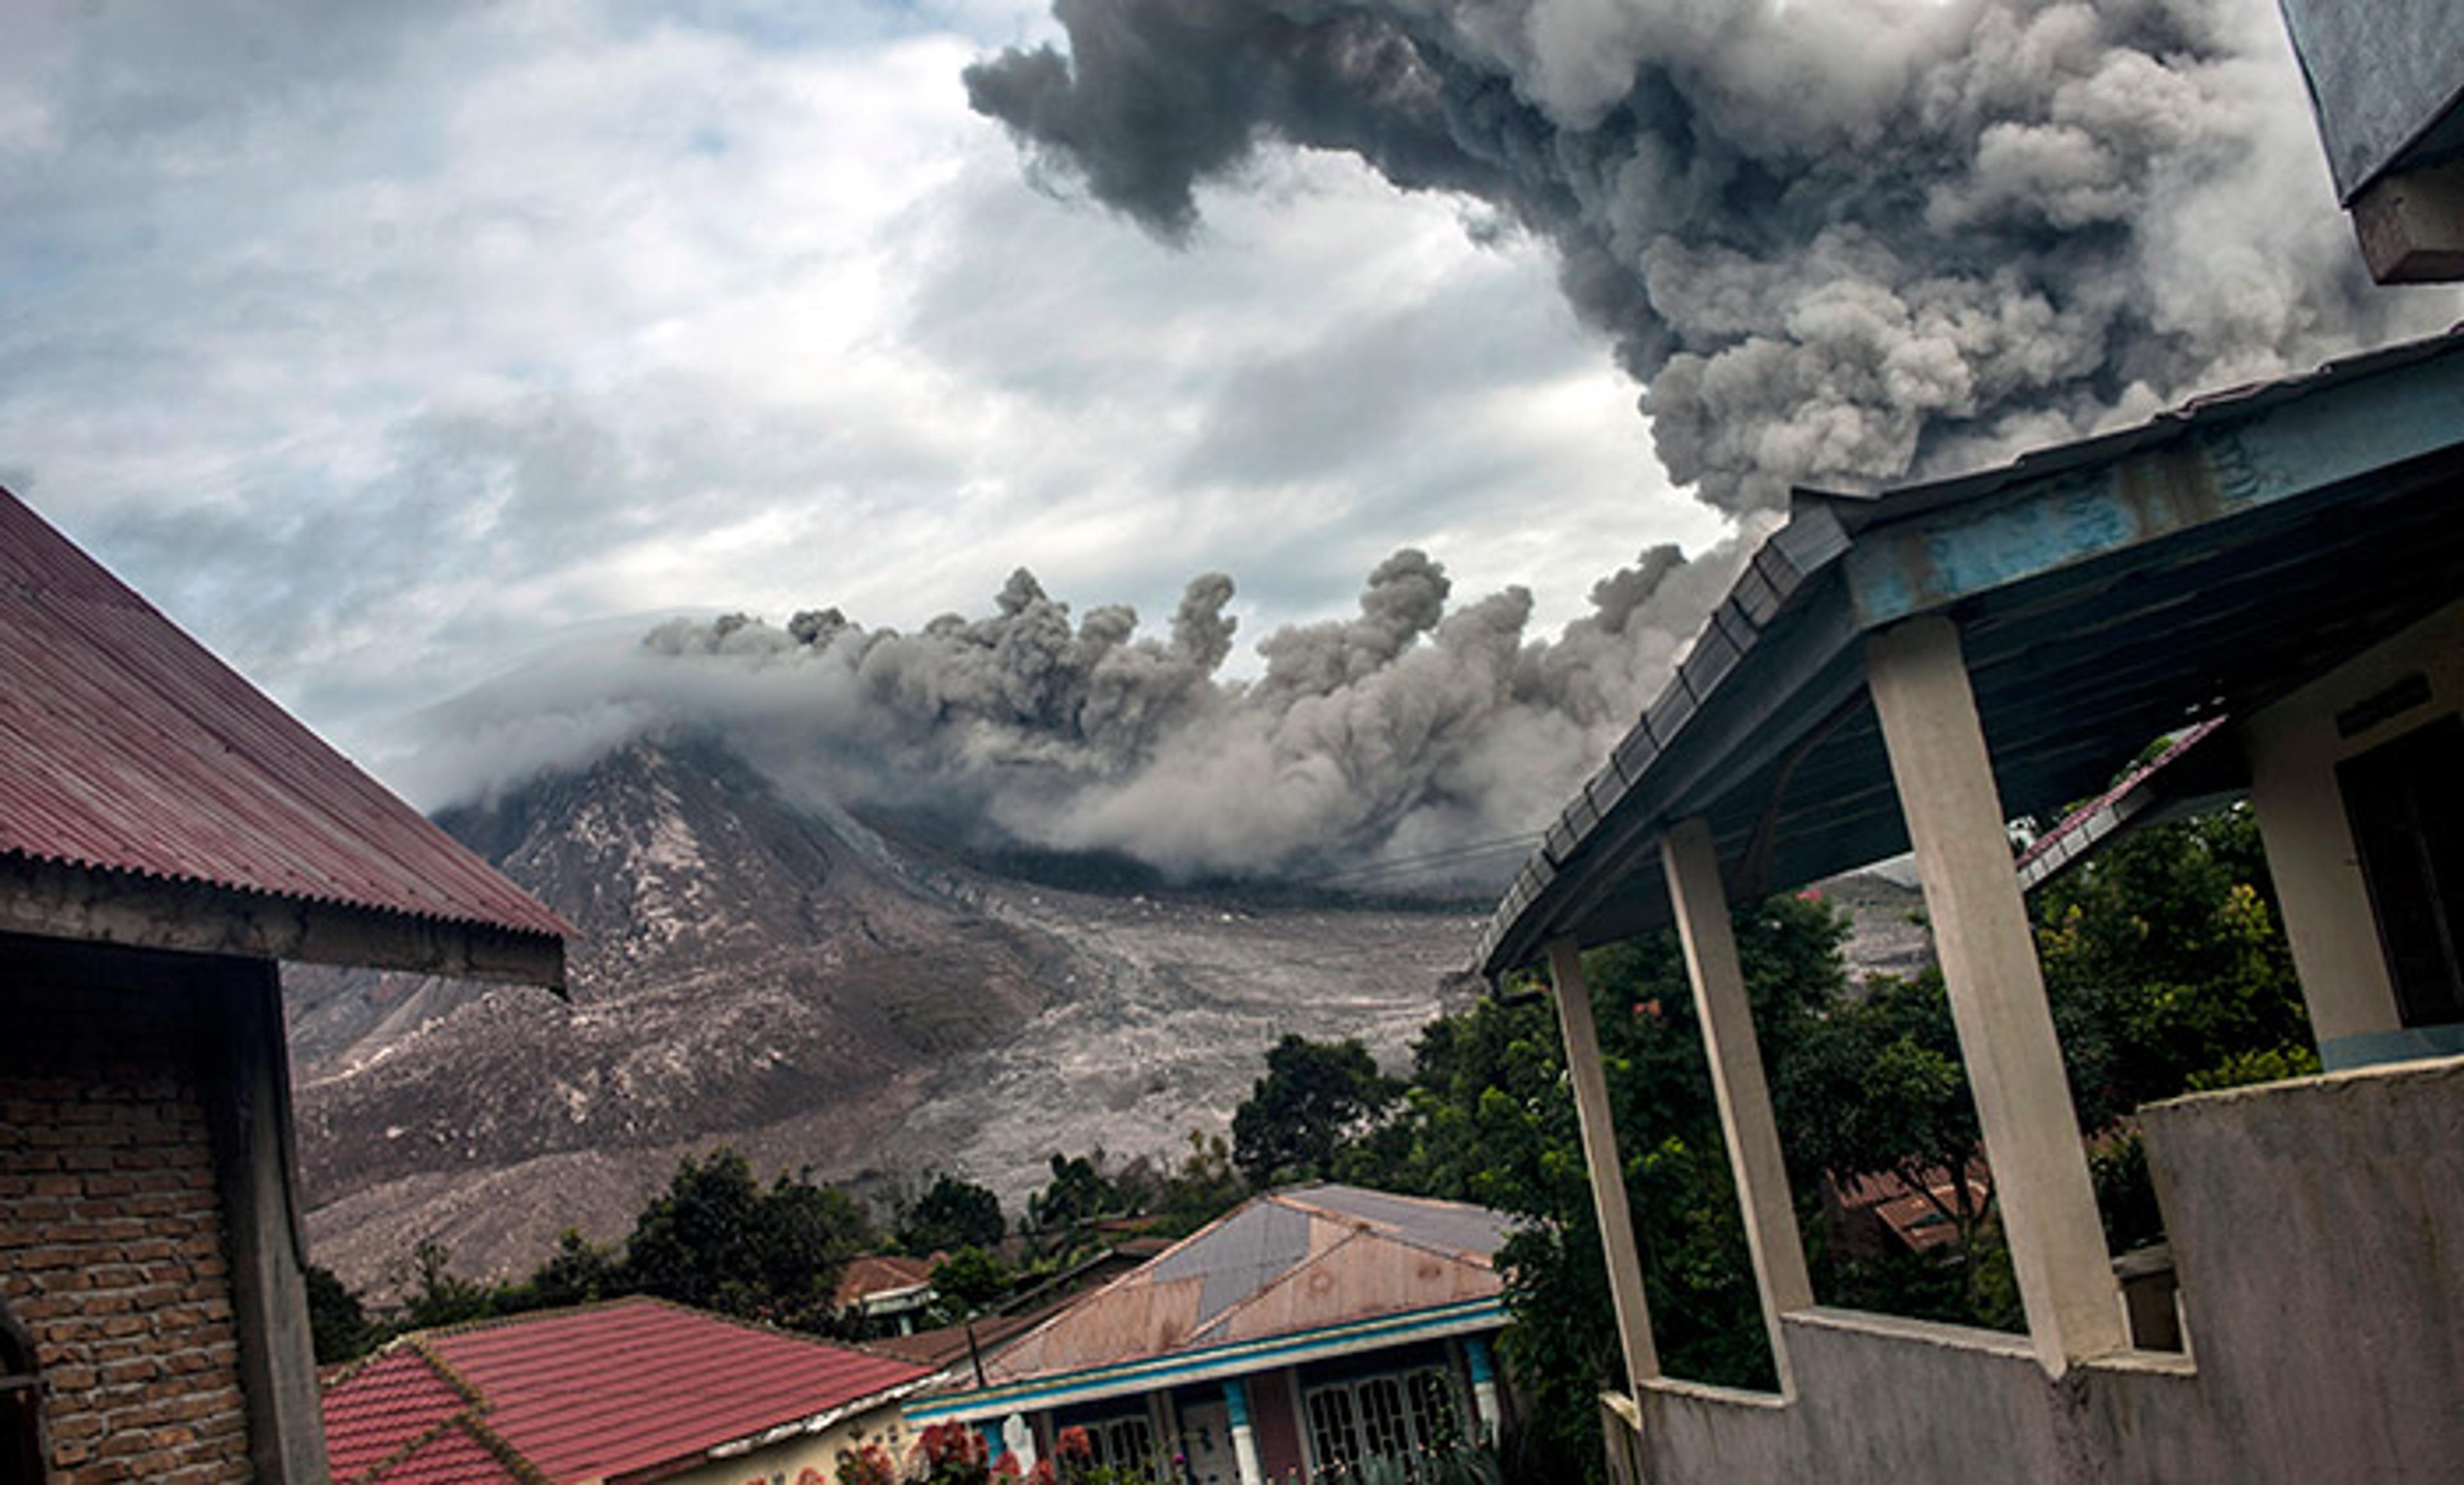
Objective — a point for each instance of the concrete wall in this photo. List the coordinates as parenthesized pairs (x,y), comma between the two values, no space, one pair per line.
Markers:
(2319,1230)
(112,1248)
(2293,748)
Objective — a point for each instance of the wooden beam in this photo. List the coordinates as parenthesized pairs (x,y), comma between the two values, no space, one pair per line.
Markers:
(56,900)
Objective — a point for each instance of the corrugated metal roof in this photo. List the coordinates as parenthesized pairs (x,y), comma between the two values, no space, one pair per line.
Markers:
(1283,1264)
(126,746)
(604,1392)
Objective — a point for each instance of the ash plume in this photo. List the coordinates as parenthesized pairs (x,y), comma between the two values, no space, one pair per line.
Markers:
(1410,730)
(1839,241)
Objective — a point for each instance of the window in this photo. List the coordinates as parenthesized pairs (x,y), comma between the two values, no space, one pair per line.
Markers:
(1338,1443)
(1400,1416)
(2405,800)
(1128,1444)
(21,1406)
(1122,1441)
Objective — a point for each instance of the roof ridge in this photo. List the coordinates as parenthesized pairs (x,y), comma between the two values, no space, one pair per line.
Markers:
(1217,1322)
(471,1392)
(503,1450)
(1070,1306)
(1397,1235)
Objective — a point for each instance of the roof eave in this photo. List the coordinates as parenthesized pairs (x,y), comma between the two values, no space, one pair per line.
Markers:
(1866,562)
(55,900)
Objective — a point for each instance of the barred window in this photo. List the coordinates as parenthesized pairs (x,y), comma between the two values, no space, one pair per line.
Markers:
(1403,1416)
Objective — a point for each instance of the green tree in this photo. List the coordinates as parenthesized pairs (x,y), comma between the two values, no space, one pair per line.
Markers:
(1078,1194)
(972,1278)
(2165,961)
(338,1325)
(951,1214)
(1204,1186)
(715,1239)
(578,1272)
(1314,1098)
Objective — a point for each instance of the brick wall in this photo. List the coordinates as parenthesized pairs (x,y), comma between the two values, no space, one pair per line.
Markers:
(111,1238)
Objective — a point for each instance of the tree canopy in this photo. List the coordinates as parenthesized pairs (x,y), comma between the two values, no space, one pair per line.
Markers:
(1314,1098)
(951,1214)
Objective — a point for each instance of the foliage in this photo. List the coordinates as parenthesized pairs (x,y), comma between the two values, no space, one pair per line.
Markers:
(2164,960)
(973,1278)
(1078,1192)
(1204,1186)
(1315,1097)
(2263,1064)
(438,1296)
(338,1326)
(715,1239)
(578,1272)
(950,1215)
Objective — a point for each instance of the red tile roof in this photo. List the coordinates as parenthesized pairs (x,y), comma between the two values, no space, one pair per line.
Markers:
(126,746)
(628,1390)
(456,1454)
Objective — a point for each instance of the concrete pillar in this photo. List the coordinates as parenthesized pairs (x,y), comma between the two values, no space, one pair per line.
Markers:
(1691,862)
(1600,1157)
(2411,225)
(1245,1437)
(1997,992)
(1484,1388)
(247,1099)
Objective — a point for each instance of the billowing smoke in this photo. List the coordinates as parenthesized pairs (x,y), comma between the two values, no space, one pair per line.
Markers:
(1838,240)
(1409,731)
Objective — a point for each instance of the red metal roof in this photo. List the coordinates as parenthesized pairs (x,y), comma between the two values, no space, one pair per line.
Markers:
(125,745)
(628,1390)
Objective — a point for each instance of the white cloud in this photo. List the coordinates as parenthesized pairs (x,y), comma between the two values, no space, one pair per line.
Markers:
(373,351)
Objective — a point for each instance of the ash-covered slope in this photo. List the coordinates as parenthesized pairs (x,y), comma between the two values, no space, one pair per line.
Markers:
(783,978)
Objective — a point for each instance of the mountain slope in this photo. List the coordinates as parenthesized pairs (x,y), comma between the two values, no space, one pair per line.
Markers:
(776,975)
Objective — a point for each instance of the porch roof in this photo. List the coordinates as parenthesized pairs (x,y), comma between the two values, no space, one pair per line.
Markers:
(2107,591)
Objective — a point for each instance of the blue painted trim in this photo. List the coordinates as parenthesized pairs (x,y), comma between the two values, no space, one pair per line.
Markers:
(1236,1401)
(1209,1364)
(1931,561)
(1476,1356)
(2342,1054)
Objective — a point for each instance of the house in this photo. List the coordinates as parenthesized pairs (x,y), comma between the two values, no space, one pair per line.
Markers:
(626,1393)
(167,835)
(2387,82)
(950,1347)
(1309,1328)
(885,1288)
(1915,669)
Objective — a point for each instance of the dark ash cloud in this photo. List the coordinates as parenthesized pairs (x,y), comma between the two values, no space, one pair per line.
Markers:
(1839,241)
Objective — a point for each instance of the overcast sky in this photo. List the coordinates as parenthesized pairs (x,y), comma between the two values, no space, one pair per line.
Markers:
(376,343)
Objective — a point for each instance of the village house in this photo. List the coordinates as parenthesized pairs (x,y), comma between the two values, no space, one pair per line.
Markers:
(626,1393)
(168,835)
(885,1289)
(1309,1329)
(2282,565)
